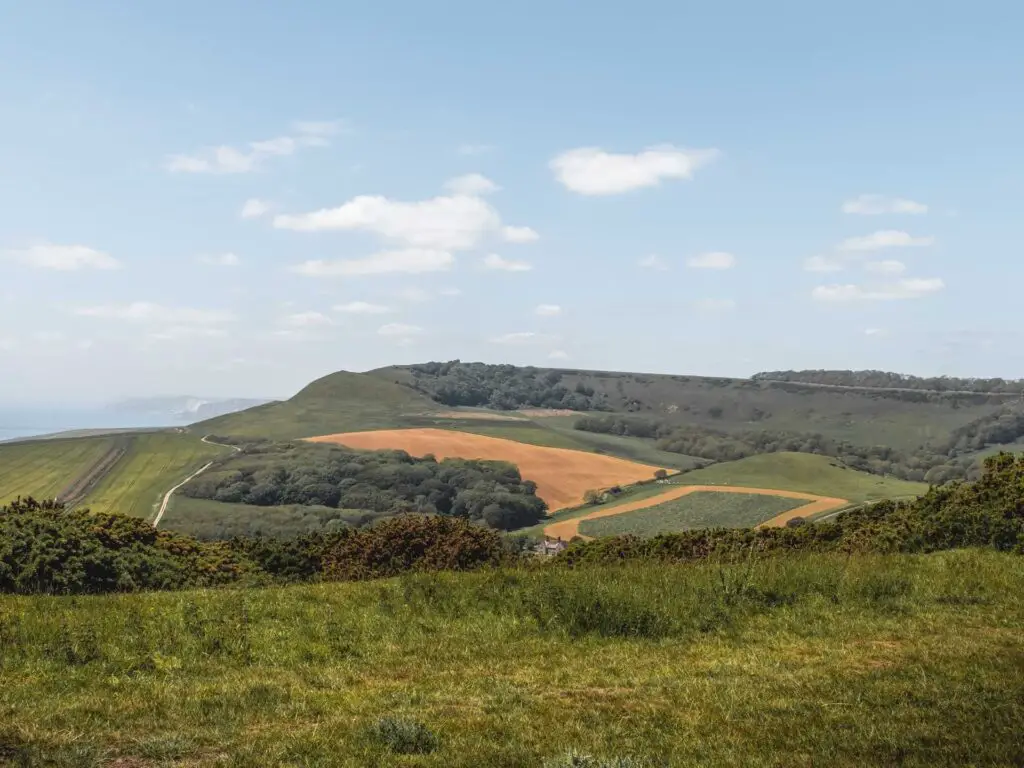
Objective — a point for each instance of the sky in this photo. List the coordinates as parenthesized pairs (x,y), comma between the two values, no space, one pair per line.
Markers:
(234,198)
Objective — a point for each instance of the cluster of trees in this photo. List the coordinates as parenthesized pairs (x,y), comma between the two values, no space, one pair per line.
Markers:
(986,513)
(937,463)
(383,482)
(45,548)
(886,379)
(502,387)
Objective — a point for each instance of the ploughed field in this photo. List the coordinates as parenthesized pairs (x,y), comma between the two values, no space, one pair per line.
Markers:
(562,475)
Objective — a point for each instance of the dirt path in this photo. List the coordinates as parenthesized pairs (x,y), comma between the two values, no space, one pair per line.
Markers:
(566,529)
(197,473)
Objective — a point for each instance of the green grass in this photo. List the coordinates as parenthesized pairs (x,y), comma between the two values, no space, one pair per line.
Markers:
(45,468)
(805,473)
(629,494)
(207,519)
(339,402)
(633,448)
(703,509)
(528,432)
(848,662)
(154,464)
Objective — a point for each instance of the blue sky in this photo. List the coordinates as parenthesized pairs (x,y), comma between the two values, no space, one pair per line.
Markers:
(665,187)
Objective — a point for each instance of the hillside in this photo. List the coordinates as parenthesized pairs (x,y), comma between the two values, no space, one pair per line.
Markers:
(338,402)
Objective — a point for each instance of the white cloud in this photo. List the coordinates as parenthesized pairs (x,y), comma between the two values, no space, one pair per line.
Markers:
(496,262)
(473,184)
(519,234)
(592,171)
(64,258)
(885,238)
(548,310)
(475,149)
(146,312)
(253,208)
(362,308)
(7,343)
(399,330)
(451,291)
(653,261)
(411,261)
(557,354)
(886,267)
(520,337)
(823,264)
(48,337)
(714,305)
(447,223)
(712,260)
(870,205)
(875,332)
(907,288)
(225,159)
(311,319)
(220,260)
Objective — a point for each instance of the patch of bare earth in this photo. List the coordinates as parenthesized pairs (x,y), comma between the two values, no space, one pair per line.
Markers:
(481,415)
(541,413)
(562,475)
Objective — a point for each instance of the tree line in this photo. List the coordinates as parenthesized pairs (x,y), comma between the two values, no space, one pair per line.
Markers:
(502,387)
(886,379)
(936,463)
(382,482)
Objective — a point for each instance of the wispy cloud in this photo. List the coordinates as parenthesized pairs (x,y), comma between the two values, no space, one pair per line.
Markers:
(399,330)
(874,205)
(498,263)
(519,234)
(518,337)
(309,319)
(886,238)
(592,171)
(712,260)
(254,208)
(226,159)
(474,184)
(220,260)
(714,305)
(147,312)
(823,264)
(653,261)
(409,261)
(63,258)
(907,288)
(548,310)
(362,308)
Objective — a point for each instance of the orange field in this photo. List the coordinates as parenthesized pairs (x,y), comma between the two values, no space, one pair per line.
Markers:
(562,475)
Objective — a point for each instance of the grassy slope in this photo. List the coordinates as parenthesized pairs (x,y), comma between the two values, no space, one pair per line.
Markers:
(154,464)
(45,468)
(339,402)
(861,417)
(697,510)
(805,473)
(909,660)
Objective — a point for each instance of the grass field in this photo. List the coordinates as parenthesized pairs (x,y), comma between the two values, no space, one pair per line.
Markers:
(154,463)
(805,473)
(45,468)
(790,661)
(697,510)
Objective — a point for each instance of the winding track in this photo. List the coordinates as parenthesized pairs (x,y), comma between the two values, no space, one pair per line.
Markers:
(566,529)
(197,473)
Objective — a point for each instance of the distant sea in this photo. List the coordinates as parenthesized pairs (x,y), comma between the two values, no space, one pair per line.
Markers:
(15,423)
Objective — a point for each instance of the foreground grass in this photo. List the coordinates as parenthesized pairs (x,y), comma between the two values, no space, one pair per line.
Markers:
(703,509)
(911,660)
(806,473)
(44,468)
